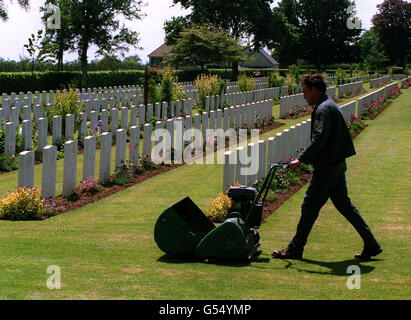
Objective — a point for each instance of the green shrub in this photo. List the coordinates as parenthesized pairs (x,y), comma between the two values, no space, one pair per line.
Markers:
(245,83)
(295,72)
(151,91)
(167,93)
(121,175)
(283,179)
(207,85)
(65,103)
(275,80)
(8,162)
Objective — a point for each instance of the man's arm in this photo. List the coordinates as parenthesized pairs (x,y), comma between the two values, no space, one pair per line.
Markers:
(321,132)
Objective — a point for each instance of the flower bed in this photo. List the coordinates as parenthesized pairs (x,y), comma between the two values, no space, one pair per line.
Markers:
(371,110)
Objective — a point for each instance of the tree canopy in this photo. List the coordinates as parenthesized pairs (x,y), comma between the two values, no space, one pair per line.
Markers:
(392,25)
(202,44)
(96,22)
(250,21)
(25,4)
(316,31)
(371,53)
(241,18)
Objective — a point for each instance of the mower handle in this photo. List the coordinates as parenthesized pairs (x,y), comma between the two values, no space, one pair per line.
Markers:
(266,186)
(281,164)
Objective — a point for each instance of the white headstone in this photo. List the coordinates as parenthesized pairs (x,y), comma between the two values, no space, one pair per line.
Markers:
(89,157)
(105,158)
(70,168)
(49,172)
(26,169)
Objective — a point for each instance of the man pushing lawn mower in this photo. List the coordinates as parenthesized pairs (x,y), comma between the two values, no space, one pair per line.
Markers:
(330,145)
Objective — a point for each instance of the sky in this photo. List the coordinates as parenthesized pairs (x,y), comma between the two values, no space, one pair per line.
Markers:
(21,24)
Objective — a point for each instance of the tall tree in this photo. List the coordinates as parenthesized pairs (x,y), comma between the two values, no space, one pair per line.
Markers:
(202,44)
(3,10)
(392,25)
(371,52)
(287,46)
(244,19)
(97,22)
(325,37)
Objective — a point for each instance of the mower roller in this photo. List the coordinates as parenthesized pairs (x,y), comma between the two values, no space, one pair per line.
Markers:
(184,230)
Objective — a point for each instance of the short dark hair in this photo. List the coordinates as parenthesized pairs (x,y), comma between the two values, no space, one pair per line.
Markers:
(315,81)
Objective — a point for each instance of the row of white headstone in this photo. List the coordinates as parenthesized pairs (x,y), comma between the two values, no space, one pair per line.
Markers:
(284,146)
(49,169)
(250,163)
(94,113)
(349,88)
(369,98)
(297,101)
(176,128)
(96,101)
(378,81)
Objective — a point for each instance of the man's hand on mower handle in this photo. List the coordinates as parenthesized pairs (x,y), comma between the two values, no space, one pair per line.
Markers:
(294,165)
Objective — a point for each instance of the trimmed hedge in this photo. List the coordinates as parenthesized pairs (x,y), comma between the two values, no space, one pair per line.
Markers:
(53,80)
(190,74)
(24,82)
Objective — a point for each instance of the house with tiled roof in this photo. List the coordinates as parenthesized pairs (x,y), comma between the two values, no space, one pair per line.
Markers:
(259,59)
(157,56)
(254,59)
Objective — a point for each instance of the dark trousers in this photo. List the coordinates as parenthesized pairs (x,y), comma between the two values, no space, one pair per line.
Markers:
(328,182)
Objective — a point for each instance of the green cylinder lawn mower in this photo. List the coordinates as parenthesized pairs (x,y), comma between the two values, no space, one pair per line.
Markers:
(184,230)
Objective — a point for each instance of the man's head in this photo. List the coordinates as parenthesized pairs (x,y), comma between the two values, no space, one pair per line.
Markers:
(313,87)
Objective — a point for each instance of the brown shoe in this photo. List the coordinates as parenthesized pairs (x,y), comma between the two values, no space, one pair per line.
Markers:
(287,254)
(369,252)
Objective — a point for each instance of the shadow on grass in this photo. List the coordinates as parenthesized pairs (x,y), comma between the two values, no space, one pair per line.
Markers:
(338,268)
(167,258)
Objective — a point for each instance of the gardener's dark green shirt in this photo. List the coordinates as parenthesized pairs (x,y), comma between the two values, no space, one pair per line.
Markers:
(331,141)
